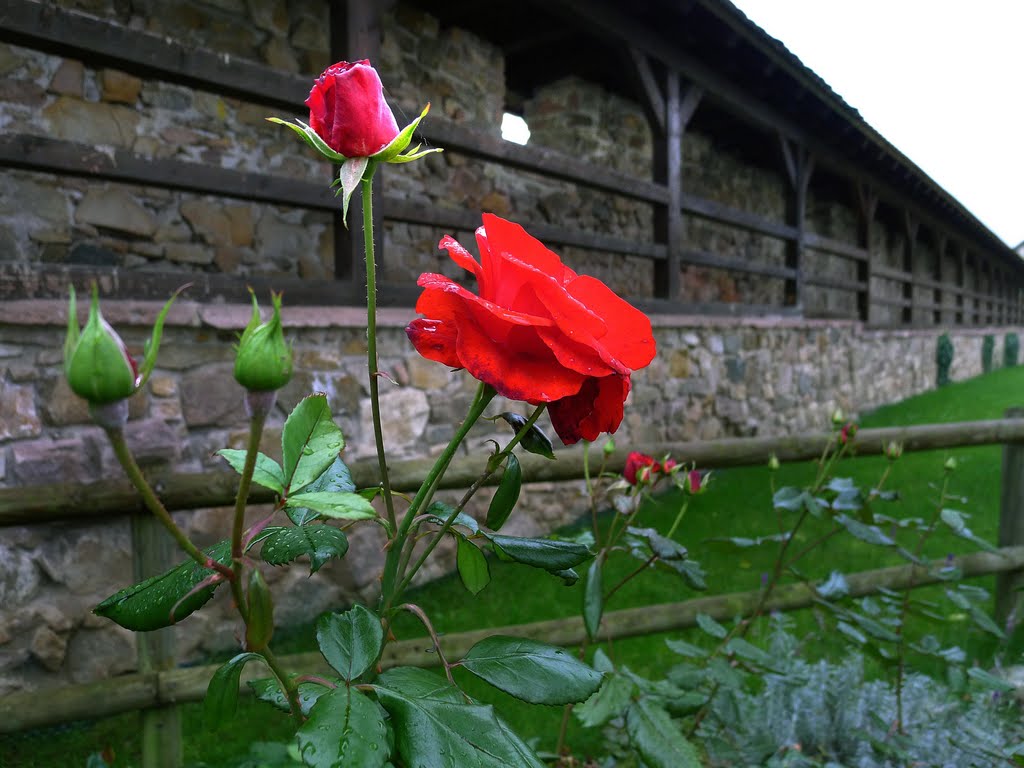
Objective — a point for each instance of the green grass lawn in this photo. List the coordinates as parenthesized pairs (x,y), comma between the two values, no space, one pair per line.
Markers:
(737,504)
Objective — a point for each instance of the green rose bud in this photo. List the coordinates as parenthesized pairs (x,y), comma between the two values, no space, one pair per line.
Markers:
(96,361)
(264,360)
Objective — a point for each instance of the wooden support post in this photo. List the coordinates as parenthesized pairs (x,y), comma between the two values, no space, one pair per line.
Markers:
(911,225)
(938,315)
(355,35)
(669,224)
(1011,527)
(958,256)
(867,200)
(153,552)
(799,167)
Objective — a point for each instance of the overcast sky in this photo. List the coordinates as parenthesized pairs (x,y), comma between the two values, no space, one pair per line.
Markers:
(943,80)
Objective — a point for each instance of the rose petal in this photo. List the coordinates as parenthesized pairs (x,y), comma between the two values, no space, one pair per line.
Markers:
(435,340)
(596,408)
(628,337)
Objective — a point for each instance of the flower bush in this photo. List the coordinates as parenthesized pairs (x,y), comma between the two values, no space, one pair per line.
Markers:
(538,332)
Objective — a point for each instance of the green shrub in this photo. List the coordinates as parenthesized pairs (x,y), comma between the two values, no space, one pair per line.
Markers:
(987,345)
(943,359)
(827,714)
(1011,350)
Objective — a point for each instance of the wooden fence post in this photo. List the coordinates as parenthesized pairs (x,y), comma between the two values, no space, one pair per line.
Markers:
(152,554)
(1011,526)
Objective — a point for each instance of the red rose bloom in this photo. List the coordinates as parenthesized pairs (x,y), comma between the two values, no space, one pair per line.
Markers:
(635,463)
(347,110)
(537,331)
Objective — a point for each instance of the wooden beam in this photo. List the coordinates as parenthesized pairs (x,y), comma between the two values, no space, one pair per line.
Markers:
(716,261)
(452,136)
(43,154)
(668,169)
(726,214)
(654,99)
(47,27)
(116,496)
(799,164)
(911,226)
(125,693)
(867,206)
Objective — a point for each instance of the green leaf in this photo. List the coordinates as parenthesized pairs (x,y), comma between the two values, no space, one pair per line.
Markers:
(567,575)
(350,641)
(439,732)
(740,542)
(956,523)
(268,690)
(690,571)
(534,441)
(260,626)
(341,506)
(439,512)
(310,137)
(148,605)
(711,627)
(267,472)
(336,478)
(472,565)
(222,693)
(835,587)
(532,671)
(417,683)
(990,681)
(319,542)
(152,345)
(789,498)
(664,548)
(345,728)
(349,176)
(507,494)
(749,652)
(657,738)
(872,534)
(610,701)
(548,554)
(310,442)
(684,648)
(593,599)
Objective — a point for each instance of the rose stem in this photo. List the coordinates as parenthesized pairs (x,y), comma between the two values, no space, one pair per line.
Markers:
(371,340)
(389,580)
(492,465)
(149,498)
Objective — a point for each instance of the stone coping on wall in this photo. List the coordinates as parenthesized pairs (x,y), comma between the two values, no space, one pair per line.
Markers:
(236,316)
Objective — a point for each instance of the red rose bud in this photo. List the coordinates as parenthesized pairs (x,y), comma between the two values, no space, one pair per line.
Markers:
(264,359)
(96,361)
(347,110)
(847,433)
(694,482)
(536,332)
(638,467)
(350,123)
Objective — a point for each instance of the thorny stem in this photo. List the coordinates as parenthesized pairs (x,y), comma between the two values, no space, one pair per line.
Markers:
(153,504)
(391,575)
(371,341)
(288,685)
(256,422)
(640,569)
(420,614)
(678,520)
(492,465)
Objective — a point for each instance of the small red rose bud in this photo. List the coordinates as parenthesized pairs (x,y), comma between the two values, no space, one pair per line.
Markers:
(638,468)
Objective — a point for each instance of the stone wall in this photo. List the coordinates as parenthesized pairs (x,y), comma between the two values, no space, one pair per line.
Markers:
(711,378)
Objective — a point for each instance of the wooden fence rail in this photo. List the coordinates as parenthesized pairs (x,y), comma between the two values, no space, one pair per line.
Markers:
(127,693)
(62,501)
